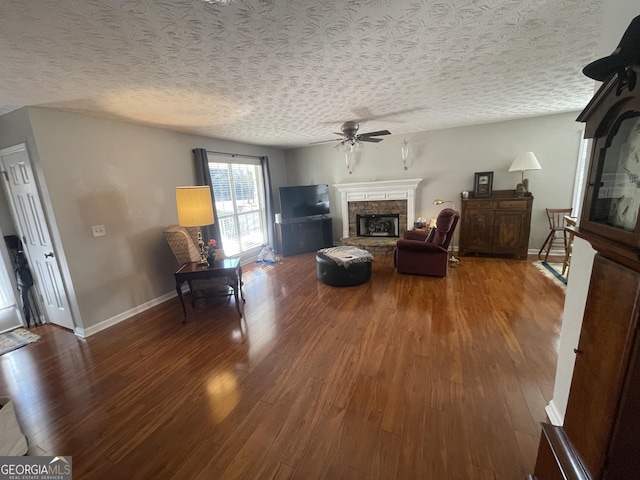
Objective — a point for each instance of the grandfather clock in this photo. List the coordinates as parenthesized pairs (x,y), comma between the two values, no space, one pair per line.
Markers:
(600,438)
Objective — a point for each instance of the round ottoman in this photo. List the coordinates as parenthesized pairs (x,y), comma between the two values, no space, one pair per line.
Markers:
(330,273)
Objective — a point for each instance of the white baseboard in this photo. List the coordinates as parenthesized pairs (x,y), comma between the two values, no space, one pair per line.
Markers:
(554,414)
(86,332)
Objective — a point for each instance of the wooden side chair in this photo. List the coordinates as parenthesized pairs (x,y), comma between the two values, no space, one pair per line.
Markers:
(183,244)
(557,231)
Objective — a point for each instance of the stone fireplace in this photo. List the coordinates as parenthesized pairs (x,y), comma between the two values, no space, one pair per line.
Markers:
(389,197)
(378,225)
(377,208)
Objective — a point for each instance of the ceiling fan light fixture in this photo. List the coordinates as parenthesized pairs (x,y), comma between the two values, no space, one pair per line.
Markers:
(350,150)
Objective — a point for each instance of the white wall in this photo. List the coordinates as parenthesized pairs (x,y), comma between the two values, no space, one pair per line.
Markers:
(447,159)
(123,176)
(575,300)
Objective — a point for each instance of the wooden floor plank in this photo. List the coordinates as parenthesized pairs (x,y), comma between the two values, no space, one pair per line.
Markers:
(402,377)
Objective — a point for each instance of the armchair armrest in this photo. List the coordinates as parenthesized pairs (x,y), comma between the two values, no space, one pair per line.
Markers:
(419,246)
(420,235)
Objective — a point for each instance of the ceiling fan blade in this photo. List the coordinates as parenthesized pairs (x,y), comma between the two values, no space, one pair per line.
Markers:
(326,141)
(376,134)
(364,114)
(369,139)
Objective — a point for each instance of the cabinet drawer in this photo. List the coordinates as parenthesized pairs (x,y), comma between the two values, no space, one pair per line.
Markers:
(479,204)
(513,204)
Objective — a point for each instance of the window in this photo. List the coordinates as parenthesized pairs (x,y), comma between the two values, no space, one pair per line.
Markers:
(238,187)
(580,179)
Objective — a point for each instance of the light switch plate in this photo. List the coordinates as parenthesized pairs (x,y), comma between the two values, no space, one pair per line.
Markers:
(98,230)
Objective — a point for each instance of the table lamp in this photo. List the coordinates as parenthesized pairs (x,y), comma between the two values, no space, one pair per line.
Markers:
(195,209)
(524,161)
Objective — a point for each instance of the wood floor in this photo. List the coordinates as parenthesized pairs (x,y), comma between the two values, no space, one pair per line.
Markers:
(405,377)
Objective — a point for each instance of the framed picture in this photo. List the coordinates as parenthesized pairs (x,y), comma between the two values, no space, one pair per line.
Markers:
(483,184)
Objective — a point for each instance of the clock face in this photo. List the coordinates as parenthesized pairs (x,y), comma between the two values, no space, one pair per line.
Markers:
(483,180)
(617,199)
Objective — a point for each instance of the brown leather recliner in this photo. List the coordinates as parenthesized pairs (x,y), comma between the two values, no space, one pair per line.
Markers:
(425,253)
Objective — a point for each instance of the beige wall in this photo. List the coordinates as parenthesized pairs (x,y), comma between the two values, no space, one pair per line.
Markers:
(447,159)
(122,176)
(104,172)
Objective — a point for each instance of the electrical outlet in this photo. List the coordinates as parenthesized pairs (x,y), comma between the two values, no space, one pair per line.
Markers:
(98,230)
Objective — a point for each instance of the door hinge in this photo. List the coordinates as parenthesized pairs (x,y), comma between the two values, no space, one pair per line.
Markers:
(6,175)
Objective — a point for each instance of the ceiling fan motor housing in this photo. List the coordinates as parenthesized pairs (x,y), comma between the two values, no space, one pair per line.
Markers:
(350,129)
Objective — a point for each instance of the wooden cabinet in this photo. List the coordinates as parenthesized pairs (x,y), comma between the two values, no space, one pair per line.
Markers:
(601,423)
(602,359)
(303,236)
(496,225)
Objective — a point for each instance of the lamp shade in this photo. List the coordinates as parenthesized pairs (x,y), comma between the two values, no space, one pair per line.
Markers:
(525,161)
(195,207)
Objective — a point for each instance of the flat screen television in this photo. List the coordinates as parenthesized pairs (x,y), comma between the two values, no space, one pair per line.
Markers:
(304,201)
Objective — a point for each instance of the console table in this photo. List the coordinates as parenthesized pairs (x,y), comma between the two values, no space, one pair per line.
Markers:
(229,267)
(497,225)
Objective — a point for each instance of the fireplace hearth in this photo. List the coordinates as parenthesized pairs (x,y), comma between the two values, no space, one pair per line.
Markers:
(385,225)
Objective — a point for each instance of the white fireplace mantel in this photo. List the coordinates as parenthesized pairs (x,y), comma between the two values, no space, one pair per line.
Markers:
(377,191)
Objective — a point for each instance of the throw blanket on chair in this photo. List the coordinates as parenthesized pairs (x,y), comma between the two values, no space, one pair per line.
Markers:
(347,255)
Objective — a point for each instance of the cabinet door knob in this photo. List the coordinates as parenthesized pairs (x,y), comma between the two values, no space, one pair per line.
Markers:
(576,351)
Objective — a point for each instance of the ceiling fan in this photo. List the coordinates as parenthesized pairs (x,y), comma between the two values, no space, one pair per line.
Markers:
(350,135)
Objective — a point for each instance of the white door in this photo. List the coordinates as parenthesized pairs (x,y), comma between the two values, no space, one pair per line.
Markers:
(30,221)
(10,316)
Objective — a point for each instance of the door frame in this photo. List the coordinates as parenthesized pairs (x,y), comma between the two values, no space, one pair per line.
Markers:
(54,234)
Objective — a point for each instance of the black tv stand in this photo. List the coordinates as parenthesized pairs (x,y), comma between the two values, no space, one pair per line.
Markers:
(303,235)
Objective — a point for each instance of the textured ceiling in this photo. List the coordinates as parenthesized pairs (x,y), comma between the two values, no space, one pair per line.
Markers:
(287,73)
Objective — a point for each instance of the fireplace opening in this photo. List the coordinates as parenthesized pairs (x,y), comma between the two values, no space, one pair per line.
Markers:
(387,225)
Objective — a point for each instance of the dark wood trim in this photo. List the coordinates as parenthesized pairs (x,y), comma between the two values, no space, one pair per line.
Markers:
(627,256)
(567,457)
